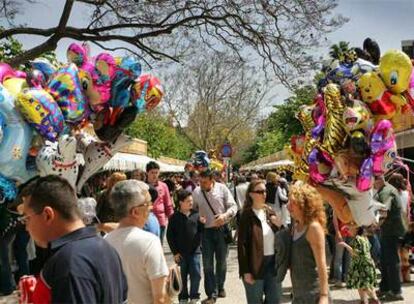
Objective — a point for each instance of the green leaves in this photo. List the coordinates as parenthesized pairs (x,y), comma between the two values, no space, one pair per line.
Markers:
(162,138)
(277,129)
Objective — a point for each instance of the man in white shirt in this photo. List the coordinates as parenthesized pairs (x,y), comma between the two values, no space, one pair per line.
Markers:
(239,191)
(141,252)
(216,204)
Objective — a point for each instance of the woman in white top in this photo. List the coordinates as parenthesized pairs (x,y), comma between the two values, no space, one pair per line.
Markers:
(256,252)
(281,200)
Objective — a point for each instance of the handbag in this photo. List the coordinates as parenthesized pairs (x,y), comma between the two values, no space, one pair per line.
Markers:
(225,229)
(174,282)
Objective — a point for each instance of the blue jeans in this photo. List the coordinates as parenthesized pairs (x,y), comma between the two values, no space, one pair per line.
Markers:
(162,234)
(190,266)
(375,248)
(341,261)
(213,245)
(390,264)
(268,286)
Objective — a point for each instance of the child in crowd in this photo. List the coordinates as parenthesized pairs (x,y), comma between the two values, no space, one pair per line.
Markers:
(184,237)
(361,273)
(406,244)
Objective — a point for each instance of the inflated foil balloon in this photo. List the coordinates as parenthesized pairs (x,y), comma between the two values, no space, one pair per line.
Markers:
(108,132)
(383,154)
(17,136)
(319,116)
(357,116)
(201,160)
(382,137)
(320,165)
(383,147)
(366,175)
(66,88)
(374,92)
(2,125)
(128,70)
(96,75)
(59,158)
(147,92)
(97,154)
(15,85)
(297,143)
(304,115)
(8,189)
(363,207)
(42,112)
(6,71)
(36,79)
(396,67)
(44,66)
(335,135)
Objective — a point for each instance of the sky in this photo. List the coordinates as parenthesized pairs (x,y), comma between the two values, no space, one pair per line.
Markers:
(386,21)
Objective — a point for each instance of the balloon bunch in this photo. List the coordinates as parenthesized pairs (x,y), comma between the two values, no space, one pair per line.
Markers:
(348,130)
(43,112)
(200,161)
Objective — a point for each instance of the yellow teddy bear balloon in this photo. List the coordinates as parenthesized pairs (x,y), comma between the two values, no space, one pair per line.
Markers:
(374,92)
(395,67)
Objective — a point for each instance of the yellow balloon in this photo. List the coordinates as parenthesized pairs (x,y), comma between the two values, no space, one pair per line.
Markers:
(15,85)
(395,67)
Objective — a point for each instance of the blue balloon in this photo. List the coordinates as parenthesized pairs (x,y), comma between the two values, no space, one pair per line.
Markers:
(44,66)
(17,137)
(8,189)
(2,125)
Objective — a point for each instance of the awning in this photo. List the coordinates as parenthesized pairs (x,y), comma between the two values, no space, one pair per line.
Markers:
(269,166)
(129,162)
(405,139)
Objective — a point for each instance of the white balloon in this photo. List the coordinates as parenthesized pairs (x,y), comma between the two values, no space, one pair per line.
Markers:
(97,154)
(59,158)
(364,209)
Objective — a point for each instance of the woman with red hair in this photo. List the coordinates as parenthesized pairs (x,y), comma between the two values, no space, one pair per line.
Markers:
(308,259)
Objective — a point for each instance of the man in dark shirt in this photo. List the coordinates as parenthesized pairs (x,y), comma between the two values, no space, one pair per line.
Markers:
(392,229)
(82,267)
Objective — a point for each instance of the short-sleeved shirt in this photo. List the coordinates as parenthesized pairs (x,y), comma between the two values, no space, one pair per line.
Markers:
(84,268)
(142,259)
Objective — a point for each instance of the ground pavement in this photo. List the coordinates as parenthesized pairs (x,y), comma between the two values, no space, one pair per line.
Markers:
(235,290)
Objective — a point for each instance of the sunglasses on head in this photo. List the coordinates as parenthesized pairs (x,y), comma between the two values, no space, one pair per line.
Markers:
(259,191)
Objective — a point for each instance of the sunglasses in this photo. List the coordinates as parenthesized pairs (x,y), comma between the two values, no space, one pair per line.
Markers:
(259,191)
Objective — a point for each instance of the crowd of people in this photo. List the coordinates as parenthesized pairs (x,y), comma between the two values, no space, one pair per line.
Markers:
(109,249)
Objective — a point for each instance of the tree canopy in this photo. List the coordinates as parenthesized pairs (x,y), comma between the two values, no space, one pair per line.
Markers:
(214,99)
(275,131)
(280,32)
(162,138)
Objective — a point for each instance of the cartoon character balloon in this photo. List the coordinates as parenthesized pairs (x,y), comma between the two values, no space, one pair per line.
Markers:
(42,112)
(147,92)
(97,154)
(59,158)
(17,136)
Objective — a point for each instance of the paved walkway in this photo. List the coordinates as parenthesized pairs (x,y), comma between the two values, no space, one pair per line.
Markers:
(235,290)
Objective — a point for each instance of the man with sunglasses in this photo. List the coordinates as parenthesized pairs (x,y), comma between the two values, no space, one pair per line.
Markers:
(73,273)
(140,251)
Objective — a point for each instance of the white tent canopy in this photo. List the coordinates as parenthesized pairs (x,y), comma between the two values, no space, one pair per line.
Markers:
(269,166)
(128,162)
